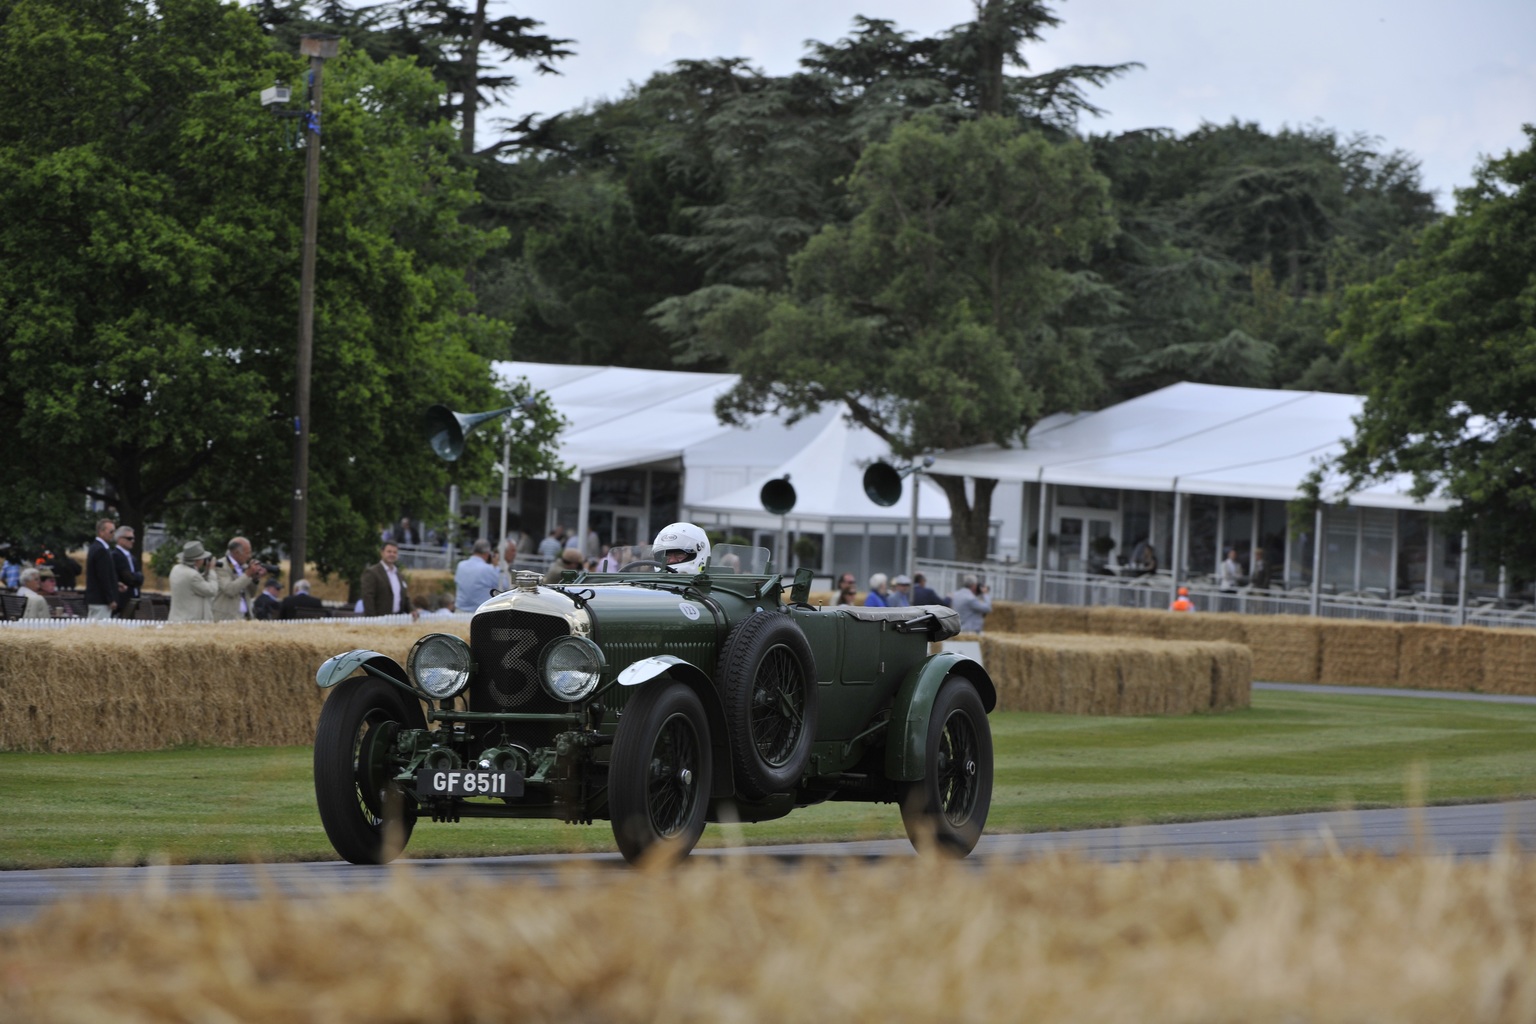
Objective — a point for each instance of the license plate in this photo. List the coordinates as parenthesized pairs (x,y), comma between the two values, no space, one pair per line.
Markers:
(437,782)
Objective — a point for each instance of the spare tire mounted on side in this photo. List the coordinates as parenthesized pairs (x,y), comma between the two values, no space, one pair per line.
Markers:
(768,682)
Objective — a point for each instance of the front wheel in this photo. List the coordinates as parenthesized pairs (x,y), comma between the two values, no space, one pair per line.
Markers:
(659,778)
(948,807)
(367,816)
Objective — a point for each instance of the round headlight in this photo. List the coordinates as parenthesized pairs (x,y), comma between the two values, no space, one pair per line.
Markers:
(571,668)
(439,665)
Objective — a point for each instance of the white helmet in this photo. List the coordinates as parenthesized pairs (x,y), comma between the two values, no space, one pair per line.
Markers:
(682,546)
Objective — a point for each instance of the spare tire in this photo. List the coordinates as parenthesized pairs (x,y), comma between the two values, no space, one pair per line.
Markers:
(768,683)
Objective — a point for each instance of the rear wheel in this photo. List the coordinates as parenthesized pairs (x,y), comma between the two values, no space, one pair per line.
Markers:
(948,807)
(367,816)
(771,698)
(659,778)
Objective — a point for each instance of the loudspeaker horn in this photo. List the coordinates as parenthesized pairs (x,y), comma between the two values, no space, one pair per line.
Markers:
(778,496)
(882,482)
(445,429)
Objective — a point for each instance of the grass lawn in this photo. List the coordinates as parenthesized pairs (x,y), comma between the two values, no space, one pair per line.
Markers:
(1290,752)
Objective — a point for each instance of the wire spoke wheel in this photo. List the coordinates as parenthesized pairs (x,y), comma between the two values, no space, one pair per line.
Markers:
(768,683)
(947,808)
(674,776)
(778,707)
(660,774)
(367,816)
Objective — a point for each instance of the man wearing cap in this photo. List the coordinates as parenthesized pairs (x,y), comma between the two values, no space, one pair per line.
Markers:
(101,573)
(901,592)
(192,587)
(31,588)
(475,578)
(570,558)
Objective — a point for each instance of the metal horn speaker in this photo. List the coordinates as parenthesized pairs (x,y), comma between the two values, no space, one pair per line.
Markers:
(882,482)
(445,429)
(778,496)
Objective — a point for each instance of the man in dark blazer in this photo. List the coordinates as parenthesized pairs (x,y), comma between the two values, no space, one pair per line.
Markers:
(129,578)
(300,598)
(269,603)
(384,590)
(101,573)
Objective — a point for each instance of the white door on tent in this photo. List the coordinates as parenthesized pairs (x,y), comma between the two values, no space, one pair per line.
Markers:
(1081,534)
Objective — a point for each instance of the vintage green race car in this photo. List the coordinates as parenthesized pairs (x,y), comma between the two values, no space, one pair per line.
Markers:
(658,701)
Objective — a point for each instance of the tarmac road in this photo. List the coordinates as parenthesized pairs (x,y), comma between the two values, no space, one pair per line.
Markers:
(1467,830)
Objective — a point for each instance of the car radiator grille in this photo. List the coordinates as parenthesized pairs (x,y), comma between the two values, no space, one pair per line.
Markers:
(506,646)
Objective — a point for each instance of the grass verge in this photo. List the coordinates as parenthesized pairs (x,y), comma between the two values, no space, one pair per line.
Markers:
(1291,752)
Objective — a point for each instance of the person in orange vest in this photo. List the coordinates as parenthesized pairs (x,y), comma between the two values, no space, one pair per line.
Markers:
(1182,603)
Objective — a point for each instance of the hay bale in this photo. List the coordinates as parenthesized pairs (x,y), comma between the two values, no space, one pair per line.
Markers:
(1441,657)
(90,689)
(1096,675)
(1126,622)
(1286,648)
(1358,653)
(1508,661)
(1017,617)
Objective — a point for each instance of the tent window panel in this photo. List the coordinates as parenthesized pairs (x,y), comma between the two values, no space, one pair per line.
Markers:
(664,495)
(941,548)
(1203,512)
(1272,526)
(624,487)
(1412,548)
(883,556)
(1340,529)
(1088,497)
(848,554)
(1237,531)
(1376,548)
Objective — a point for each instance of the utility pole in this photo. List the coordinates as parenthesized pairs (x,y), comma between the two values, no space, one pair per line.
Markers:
(317,49)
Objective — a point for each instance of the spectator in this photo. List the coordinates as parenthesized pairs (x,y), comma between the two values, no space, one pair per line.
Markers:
(1231,573)
(300,598)
(570,558)
(129,578)
(50,589)
(549,547)
(1182,603)
(508,576)
(31,580)
(922,593)
(406,532)
(192,585)
(65,569)
(847,589)
(1258,574)
(239,581)
(385,591)
(476,577)
(1143,557)
(901,593)
(10,570)
(101,573)
(972,602)
(269,603)
(876,598)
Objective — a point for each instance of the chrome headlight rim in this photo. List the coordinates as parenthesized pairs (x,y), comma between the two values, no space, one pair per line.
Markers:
(440,665)
(573,659)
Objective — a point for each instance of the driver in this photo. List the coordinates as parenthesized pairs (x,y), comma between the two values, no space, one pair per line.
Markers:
(682,546)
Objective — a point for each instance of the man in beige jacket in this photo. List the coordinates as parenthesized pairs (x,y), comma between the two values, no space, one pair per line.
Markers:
(239,581)
(192,586)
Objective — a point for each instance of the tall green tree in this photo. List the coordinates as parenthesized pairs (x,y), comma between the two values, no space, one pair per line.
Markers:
(942,315)
(149,251)
(1446,344)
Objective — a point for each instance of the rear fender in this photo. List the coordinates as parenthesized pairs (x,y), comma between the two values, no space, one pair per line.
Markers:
(906,747)
(646,671)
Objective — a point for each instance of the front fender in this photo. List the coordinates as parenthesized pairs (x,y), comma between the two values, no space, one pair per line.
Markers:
(698,681)
(906,748)
(342,666)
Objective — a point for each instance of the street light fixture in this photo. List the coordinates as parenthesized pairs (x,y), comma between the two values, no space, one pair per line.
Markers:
(318,48)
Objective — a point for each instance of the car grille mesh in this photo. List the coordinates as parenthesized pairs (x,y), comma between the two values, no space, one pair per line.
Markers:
(506,647)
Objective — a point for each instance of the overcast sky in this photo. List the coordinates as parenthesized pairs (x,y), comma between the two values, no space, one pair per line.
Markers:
(1446,80)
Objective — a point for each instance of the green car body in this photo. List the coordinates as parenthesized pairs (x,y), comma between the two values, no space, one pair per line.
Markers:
(657,701)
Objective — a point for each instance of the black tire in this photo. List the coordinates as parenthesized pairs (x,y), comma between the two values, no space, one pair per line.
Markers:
(768,684)
(659,777)
(947,809)
(366,814)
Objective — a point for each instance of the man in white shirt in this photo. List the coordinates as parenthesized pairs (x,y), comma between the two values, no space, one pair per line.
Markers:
(385,591)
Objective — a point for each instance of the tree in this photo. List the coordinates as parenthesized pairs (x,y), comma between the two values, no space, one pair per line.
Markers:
(149,249)
(1445,343)
(941,315)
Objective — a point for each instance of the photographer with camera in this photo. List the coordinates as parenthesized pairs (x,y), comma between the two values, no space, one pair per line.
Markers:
(972,602)
(239,581)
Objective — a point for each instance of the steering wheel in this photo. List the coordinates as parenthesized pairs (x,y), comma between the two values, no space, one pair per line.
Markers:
(659,566)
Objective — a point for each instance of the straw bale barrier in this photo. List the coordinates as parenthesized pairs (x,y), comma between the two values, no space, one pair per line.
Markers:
(1096,675)
(91,689)
(1302,649)
(1286,938)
